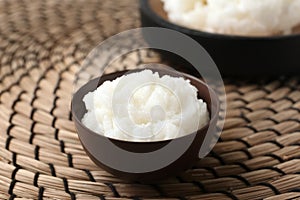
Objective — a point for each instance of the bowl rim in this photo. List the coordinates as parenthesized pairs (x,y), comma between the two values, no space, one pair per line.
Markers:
(213,116)
(147,10)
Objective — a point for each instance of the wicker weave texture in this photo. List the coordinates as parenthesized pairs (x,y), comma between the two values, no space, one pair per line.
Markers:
(42,44)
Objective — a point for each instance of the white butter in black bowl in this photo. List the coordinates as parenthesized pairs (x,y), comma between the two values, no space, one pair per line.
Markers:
(236,55)
(145,160)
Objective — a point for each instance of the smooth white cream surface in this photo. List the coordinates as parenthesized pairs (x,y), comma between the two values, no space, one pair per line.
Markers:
(238,17)
(143,106)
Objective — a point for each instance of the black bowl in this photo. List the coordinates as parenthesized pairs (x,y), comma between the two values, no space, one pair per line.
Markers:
(96,145)
(235,55)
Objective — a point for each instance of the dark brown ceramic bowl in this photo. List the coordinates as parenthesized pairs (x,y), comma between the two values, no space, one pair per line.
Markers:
(235,55)
(96,146)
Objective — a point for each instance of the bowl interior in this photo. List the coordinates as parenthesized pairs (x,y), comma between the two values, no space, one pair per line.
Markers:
(157,7)
(78,107)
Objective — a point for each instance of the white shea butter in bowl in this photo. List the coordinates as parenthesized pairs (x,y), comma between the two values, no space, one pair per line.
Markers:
(236,17)
(145,107)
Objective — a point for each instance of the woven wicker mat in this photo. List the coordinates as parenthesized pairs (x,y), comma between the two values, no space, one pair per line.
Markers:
(42,44)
